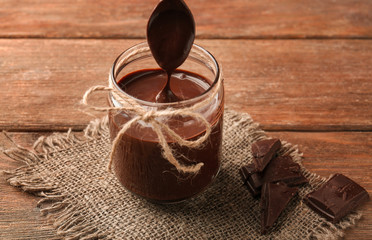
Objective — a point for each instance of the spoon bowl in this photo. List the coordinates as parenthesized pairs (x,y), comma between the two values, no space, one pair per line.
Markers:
(170,35)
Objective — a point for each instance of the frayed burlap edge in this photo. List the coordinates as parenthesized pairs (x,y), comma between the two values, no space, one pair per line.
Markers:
(67,219)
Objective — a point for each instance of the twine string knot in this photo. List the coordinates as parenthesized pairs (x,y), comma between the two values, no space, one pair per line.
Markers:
(129,105)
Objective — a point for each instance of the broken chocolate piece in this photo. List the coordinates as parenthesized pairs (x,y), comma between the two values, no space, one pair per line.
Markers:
(263,151)
(274,199)
(251,179)
(336,198)
(282,168)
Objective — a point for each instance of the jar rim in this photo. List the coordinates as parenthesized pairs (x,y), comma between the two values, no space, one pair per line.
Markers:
(217,78)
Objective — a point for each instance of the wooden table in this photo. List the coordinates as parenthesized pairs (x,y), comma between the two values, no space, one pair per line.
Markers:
(303,69)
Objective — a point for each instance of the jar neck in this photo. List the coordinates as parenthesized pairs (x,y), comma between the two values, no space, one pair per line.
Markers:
(141,52)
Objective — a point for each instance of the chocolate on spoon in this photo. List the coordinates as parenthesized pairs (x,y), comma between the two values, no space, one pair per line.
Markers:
(170,35)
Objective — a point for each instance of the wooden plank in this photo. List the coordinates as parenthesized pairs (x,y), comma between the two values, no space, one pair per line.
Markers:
(214,18)
(19,216)
(324,153)
(283,84)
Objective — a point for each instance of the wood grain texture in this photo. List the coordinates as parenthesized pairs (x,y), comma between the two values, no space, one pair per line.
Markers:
(283,84)
(324,153)
(214,18)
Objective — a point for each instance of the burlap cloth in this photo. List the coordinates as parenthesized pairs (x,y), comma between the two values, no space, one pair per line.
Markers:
(84,201)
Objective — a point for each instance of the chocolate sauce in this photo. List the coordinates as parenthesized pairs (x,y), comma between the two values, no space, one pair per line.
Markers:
(170,35)
(138,161)
(146,84)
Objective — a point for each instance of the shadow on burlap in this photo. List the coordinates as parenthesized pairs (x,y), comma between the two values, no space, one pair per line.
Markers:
(84,201)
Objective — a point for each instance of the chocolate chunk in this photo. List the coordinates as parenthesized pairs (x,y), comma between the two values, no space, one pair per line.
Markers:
(251,179)
(263,151)
(274,199)
(336,198)
(282,168)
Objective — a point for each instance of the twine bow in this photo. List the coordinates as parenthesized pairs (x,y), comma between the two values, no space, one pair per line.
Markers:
(130,105)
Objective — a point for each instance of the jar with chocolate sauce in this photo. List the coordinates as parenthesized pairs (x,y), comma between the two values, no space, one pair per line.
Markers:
(138,162)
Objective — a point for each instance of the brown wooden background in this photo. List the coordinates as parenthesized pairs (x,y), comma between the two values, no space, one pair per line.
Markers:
(302,69)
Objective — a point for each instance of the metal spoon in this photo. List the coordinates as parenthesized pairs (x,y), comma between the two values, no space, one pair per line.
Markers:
(170,35)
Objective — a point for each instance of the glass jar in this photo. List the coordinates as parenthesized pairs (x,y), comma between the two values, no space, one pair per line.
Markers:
(138,162)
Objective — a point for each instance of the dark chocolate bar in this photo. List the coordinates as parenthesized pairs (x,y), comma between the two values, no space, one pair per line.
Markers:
(274,199)
(251,179)
(282,168)
(263,151)
(336,198)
